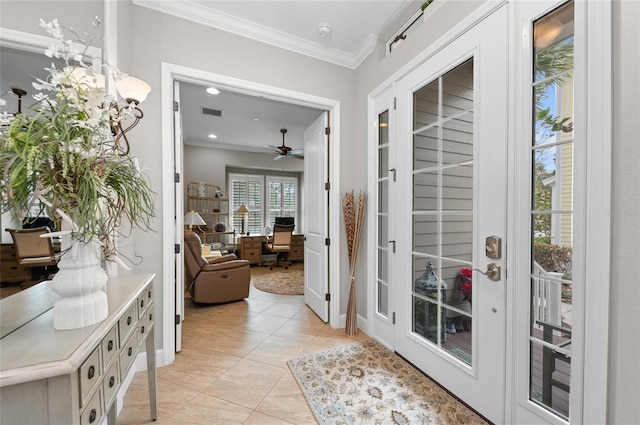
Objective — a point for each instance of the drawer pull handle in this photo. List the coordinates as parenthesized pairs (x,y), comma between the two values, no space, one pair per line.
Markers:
(92,416)
(150,316)
(92,372)
(110,345)
(128,320)
(225,276)
(141,303)
(141,329)
(112,381)
(149,294)
(130,351)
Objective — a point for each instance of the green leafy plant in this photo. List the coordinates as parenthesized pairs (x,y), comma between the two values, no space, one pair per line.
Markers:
(61,154)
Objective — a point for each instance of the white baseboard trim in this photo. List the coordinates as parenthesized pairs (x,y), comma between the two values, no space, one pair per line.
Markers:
(363,324)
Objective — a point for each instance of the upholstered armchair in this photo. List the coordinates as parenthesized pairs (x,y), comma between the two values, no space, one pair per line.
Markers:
(217,281)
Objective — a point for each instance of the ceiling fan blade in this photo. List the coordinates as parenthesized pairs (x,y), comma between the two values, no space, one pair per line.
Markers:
(297,152)
(278,157)
(296,156)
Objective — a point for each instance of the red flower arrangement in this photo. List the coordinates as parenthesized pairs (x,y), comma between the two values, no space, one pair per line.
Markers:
(466,285)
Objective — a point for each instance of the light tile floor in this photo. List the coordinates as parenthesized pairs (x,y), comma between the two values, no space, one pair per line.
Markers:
(232,368)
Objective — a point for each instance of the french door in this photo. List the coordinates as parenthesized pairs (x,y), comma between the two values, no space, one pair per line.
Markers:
(449,280)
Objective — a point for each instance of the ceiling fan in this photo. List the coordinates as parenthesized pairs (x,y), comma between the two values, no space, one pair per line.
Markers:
(285,151)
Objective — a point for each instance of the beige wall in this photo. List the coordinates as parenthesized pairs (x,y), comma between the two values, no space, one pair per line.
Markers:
(624,374)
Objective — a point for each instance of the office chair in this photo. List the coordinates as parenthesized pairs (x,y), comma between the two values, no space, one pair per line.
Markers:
(280,243)
(34,252)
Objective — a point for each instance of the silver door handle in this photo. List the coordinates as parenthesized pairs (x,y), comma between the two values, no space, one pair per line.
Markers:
(493,272)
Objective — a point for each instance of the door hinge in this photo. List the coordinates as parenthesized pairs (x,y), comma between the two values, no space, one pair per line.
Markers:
(176,177)
(327,297)
(327,130)
(393,246)
(178,319)
(176,248)
(395,101)
(176,106)
(327,241)
(327,186)
(393,170)
(393,318)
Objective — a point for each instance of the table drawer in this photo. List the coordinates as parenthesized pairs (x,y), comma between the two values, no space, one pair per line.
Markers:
(143,329)
(128,354)
(252,254)
(128,322)
(110,384)
(92,415)
(145,300)
(89,374)
(109,347)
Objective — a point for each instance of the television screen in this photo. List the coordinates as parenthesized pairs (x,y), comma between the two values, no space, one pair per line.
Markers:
(284,220)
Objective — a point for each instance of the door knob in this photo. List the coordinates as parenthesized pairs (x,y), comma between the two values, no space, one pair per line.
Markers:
(493,272)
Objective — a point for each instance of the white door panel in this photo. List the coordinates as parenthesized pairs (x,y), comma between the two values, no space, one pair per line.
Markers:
(179,211)
(452,143)
(316,224)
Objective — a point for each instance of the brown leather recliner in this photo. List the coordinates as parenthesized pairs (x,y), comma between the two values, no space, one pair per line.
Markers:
(218,281)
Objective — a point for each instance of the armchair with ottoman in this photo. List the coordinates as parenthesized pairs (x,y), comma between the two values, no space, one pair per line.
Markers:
(217,281)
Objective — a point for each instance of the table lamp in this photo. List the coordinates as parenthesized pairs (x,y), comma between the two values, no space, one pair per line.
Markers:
(192,218)
(243,211)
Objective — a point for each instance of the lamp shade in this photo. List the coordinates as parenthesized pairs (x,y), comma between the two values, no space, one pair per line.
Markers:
(133,88)
(87,77)
(192,218)
(242,210)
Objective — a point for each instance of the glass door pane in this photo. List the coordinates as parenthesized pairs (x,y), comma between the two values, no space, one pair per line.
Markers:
(552,147)
(443,211)
(382,293)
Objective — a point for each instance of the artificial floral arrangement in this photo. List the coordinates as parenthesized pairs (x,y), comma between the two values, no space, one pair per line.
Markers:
(62,153)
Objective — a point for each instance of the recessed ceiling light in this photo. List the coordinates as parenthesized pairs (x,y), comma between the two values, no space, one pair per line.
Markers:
(256,119)
(213,136)
(213,90)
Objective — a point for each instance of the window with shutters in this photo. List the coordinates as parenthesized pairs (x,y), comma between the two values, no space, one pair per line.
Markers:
(277,198)
(282,199)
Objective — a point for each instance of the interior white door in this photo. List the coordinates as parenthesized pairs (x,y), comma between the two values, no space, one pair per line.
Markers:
(452,143)
(316,275)
(179,212)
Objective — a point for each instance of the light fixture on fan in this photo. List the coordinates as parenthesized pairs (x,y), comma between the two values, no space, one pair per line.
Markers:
(284,151)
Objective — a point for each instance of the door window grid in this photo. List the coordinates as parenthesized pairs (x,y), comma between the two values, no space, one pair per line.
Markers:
(552,147)
(443,207)
(382,293)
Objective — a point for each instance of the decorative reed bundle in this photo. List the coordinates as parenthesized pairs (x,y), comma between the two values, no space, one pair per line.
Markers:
(353,211)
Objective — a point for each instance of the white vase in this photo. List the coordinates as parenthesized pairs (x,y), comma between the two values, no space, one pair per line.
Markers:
(80,283)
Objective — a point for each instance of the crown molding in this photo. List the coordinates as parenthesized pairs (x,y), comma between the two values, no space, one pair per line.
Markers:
(191,11)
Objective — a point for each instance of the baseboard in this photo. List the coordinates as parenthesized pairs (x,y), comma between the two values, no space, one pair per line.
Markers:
(363,324)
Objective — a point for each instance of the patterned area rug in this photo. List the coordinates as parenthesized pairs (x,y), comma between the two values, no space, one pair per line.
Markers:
(364,383)
(286,282)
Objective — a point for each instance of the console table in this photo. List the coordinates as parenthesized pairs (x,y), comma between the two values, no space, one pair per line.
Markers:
(50,376)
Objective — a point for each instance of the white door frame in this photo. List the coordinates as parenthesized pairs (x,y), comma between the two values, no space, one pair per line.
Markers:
(171,72)
(595,22)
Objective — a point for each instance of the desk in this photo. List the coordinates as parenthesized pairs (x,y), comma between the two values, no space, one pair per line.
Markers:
(251,248)
(49,376)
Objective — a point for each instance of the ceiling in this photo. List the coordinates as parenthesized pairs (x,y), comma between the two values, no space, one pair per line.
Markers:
(251,123)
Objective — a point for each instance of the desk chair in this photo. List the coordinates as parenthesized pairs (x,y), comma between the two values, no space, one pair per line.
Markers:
(280,243)
(34,252)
